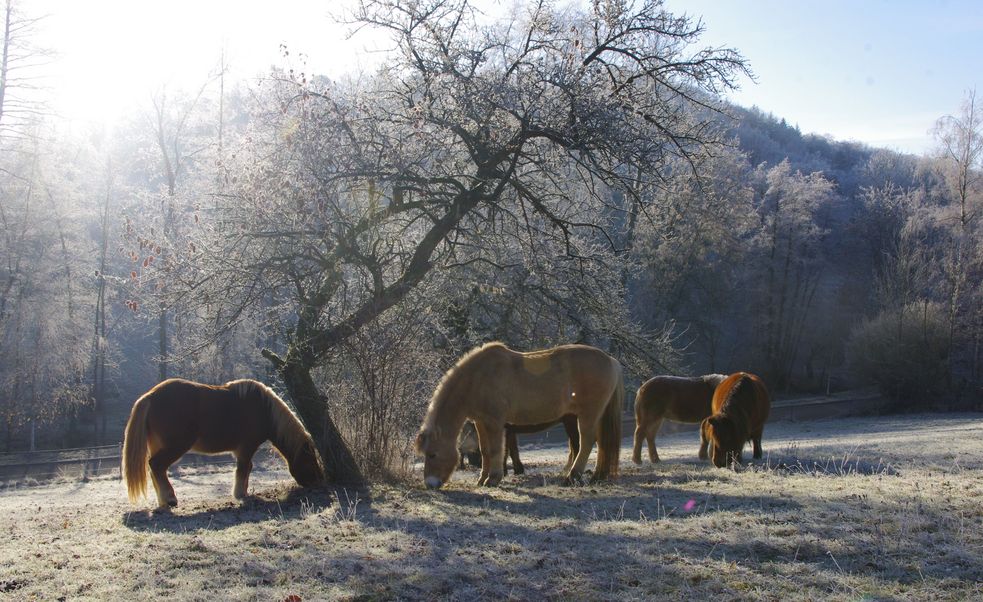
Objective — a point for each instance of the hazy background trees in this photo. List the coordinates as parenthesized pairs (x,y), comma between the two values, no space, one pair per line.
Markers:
(555,177)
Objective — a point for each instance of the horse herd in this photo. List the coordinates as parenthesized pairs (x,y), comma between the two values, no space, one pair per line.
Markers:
(498,391)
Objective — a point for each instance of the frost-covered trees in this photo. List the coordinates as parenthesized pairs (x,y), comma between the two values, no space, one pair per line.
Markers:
(927,264)
(352,193)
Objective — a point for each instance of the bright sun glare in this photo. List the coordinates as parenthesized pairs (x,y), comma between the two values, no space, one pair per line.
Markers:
(112,55)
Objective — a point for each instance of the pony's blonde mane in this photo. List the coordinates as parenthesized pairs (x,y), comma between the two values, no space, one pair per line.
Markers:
(290,432)
(450,378)
(711,378)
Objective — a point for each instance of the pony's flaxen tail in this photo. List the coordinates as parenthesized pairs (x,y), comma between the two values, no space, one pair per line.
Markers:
(609,432)
(135,450)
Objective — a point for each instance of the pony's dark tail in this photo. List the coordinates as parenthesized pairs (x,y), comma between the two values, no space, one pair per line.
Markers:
(135,450)
(609,432)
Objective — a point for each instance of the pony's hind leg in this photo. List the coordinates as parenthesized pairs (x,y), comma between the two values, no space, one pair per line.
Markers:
(160,461)
(573,442)
(512,451)
(636,454)
(650,433)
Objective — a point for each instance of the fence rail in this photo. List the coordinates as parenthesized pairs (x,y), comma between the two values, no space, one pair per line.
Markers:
(22,466)
(104,460)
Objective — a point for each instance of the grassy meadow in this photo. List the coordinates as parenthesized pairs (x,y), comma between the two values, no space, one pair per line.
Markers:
(846,509)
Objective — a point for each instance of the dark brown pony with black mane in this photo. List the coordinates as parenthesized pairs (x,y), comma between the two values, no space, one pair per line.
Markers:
(676,398)
(178,416)
(468,442)
(740,408)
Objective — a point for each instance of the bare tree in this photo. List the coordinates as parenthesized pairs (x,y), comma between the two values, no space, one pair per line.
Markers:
(351,194)
(21,101)
(960,140)
(180,134)
(41,335)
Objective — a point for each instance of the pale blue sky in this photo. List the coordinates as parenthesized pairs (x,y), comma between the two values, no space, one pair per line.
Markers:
(876,71)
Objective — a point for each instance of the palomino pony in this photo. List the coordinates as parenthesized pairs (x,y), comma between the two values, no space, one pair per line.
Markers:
(740,408)
(494,386)
(178,416)
(677,398)
(468,443)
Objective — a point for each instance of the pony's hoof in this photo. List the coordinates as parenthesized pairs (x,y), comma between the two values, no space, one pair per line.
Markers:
(519,470)
(636,460)
(573,480)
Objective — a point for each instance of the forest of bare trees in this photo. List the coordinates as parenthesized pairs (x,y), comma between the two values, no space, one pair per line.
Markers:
(557,177)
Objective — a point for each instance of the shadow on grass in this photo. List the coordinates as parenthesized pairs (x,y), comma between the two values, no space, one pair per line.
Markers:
(845,464)
(648,535)
(280,502)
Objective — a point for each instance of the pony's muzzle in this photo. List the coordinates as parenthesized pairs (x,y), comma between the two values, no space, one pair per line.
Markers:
(433,482)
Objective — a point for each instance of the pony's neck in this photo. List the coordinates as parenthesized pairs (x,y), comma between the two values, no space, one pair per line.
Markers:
(448,416)
(447,412)
(283,425)
(280,442)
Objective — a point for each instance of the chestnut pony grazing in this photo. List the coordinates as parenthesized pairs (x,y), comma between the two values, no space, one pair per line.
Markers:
(468,443)
(677,398)
(178,416)
(740,408)
(494,386)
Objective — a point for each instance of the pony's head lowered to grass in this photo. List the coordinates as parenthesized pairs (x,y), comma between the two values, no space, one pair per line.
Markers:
(440,455)
(725,443)
(740,408)
(288,435)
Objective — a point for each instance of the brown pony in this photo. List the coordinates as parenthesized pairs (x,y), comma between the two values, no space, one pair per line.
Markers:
(740,408)
(468,443)
(178,416)
(677,398)
(494,386)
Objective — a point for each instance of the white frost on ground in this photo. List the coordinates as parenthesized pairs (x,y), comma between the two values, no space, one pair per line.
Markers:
(880,507)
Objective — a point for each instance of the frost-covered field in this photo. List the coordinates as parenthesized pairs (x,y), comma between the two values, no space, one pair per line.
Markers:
(843,509)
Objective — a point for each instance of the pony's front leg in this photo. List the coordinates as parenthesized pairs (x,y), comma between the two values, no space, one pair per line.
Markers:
(704,452)
(491,441)
(244,466)
(756,443)
(588,433)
